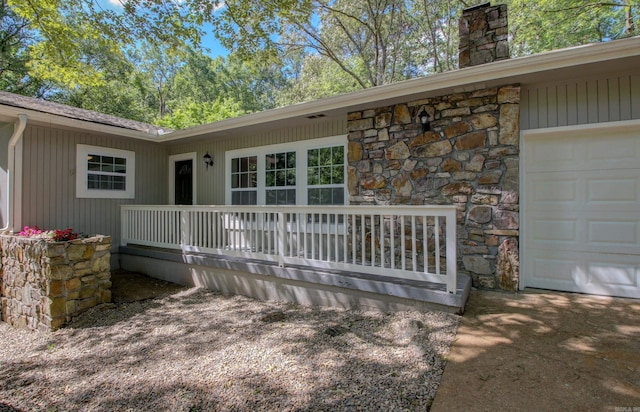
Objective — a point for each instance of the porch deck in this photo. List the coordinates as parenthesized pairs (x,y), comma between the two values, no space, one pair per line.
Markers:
(388,258)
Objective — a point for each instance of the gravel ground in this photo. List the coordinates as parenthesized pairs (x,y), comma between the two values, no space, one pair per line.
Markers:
(201,351)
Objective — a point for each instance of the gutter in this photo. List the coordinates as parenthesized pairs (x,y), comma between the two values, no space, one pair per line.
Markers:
(13,164)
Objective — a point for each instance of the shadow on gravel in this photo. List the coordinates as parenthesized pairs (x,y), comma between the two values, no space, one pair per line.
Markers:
(197,350)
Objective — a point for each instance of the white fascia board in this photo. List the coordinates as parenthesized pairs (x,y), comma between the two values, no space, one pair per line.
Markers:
(62,121)
(553,60)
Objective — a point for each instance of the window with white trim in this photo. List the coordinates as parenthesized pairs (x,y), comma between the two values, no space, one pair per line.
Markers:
(103,172)
(308,172)
(280,178)
(325,176)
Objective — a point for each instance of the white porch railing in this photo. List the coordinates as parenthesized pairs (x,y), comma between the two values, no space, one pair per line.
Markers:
(411,242)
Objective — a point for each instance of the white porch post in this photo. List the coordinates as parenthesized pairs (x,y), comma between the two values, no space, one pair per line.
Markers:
(451,251)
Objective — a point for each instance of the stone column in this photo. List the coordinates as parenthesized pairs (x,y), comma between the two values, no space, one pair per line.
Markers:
(483,34)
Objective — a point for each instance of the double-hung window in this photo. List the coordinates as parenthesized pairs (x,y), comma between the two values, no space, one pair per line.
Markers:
(244,180)
(103,172)
(325,176)
(309,172)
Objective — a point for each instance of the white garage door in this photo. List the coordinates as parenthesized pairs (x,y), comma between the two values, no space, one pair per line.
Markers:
(582,211)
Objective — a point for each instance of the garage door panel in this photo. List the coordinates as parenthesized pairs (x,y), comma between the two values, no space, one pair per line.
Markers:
(622,236)
(549,189)
(579,233)
(605,190)
(599,274)
(554,153)
(612,274)
(553,269)
(546,153)
(623,189)
(602,154)
(554,230)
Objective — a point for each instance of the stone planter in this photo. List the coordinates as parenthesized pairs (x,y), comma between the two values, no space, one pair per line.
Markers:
(43,285)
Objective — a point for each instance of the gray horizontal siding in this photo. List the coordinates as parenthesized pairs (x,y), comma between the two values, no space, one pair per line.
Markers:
(211,181)
(607,98)
(48,190)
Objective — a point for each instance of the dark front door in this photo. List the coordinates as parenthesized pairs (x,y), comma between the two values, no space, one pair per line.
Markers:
(184,182)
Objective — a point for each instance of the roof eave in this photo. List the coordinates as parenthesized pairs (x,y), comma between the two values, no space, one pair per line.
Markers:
(38,117)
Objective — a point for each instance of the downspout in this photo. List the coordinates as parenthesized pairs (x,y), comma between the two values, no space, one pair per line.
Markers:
(11,153)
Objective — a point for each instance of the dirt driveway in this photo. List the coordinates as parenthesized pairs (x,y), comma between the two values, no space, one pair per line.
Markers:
(544,351)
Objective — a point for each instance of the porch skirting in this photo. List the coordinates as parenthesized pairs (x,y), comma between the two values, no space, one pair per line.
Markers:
(296,284)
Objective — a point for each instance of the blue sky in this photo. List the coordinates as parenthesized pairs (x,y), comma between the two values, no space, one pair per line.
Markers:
(209,41)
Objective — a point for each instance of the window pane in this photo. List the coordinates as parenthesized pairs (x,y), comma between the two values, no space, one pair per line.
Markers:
(93,181)
(338,155)
(313,177)
(271,197)
(337,175)
(243,197)
(291,177)
(291,160)
(325,175)
(253,179)
(270,161)
(337,196)
(253,163)
(280,178)
(93,167)
(270,179)
(314,196)
(312,158)
(325,156)
(235,165)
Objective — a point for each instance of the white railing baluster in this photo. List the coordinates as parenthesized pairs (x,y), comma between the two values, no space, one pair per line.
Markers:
(425,245)
(353,239)
(392,236)
(363,240)
(403,244)
(382,241)
(414,252)
(436,229)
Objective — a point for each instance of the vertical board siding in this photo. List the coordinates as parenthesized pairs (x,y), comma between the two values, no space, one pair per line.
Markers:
(48,191)
(211,181)
(581,101)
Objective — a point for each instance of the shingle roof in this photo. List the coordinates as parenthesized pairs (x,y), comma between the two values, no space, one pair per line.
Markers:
(44,106)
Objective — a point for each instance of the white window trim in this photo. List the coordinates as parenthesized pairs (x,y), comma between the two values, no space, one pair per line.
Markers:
(172,175)
(300,147)
(82,151)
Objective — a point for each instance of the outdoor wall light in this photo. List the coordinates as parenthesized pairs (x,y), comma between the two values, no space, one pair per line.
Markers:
(424,120)
(208,160)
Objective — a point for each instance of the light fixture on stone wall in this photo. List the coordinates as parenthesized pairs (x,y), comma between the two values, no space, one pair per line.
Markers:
(424,120)
(208,160)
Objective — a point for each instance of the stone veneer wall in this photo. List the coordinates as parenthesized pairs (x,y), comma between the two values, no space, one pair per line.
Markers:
(469,158)
(44,284)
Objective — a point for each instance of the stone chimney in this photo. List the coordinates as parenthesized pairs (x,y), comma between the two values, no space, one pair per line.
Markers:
(483,35)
